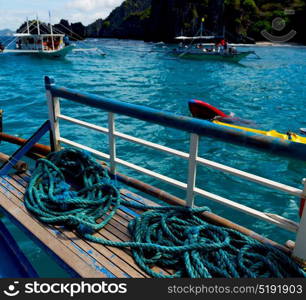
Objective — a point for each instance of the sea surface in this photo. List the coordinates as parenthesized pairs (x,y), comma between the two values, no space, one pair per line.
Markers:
(269,91)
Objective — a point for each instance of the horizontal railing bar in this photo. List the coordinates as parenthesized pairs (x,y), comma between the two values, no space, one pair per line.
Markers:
(208,163)
(245,209)
(145,171)
(152,145)
(184,123)
(253,212)
(127,164)
(125,137)
(83,123)
(91,150)
(251,177)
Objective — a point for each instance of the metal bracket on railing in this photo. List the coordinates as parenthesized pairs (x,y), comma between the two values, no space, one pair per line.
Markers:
(25,148)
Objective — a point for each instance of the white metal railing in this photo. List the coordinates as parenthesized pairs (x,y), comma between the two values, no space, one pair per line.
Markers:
(193,161)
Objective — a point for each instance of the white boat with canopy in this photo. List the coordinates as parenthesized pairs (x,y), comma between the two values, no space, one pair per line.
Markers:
(196,47)
(39,44)
(49,45)
(43,43)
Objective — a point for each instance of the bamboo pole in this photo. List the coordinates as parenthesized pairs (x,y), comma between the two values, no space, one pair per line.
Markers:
(37,148)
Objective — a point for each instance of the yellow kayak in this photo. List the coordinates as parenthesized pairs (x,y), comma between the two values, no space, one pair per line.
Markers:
(293,137)
(203,110)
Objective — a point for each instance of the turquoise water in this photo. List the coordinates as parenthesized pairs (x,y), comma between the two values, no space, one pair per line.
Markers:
(270,91)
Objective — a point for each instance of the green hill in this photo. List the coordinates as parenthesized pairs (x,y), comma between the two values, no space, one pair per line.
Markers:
(164,19)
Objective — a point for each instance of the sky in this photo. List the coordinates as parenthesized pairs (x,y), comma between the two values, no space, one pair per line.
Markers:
(14,12)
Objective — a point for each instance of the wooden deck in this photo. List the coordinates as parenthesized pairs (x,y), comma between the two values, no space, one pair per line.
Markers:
(83,258)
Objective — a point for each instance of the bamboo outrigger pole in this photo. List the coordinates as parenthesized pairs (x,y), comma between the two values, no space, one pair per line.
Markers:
(38,25)
(28,26)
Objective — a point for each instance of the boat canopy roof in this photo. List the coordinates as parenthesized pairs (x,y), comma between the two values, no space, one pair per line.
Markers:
(201,37)
(37,35)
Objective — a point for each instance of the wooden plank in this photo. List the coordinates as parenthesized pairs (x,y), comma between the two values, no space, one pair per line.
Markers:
(127,263)
(128,195)
(104,257)
(127,270)
(117,228)
(46,237)
(105,268)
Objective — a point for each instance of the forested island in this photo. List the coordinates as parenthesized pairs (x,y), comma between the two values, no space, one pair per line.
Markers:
(161,20)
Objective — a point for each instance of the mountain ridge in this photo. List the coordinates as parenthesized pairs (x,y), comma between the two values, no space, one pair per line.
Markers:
(6,32)
(163,20)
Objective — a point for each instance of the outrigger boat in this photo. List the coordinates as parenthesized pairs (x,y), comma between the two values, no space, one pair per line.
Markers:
(45,45)
(50,45)
(202,110)
(200,50)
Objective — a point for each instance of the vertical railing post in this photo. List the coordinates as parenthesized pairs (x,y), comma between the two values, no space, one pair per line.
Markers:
(112,142)
(299,251)
(54,111)
(192,168)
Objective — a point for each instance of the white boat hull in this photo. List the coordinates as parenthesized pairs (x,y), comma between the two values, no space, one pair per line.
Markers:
(200,55)
(44,54)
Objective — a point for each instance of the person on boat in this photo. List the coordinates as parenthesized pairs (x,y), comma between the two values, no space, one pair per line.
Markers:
(218,46)
(224,44)
(18,44)
(56,43)
(66,40)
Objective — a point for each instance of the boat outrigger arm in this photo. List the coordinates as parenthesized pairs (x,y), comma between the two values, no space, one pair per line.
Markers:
(24,149)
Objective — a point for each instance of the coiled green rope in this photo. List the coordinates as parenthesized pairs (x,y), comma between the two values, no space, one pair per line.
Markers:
(70,188)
